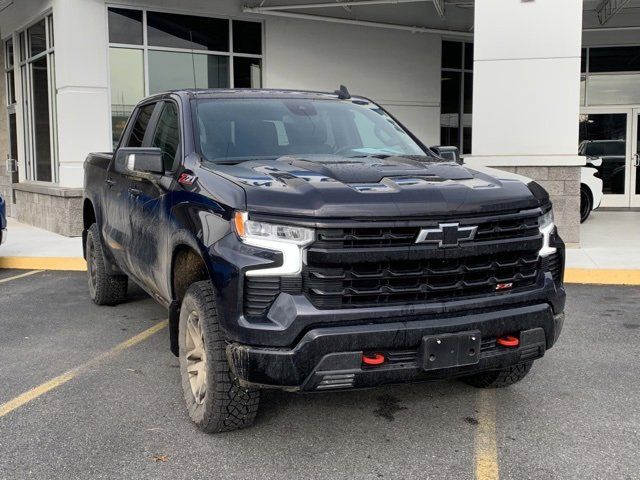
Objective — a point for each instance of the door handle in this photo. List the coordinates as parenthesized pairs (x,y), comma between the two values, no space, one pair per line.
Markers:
(110,183)
(636,160)
(134,192)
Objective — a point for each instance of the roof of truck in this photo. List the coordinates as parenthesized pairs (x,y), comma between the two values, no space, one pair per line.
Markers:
(256,93)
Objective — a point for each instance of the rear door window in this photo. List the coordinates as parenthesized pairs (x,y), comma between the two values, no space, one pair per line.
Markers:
(167,135)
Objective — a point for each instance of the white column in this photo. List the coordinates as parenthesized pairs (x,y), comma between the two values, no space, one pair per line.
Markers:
(526,82)
(82,83)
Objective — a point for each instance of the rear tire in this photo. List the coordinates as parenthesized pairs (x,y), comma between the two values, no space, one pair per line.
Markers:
(104,289)
(586,203)
(499,378)
(215,401)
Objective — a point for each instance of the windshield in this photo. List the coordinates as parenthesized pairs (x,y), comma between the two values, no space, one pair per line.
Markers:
(232,130)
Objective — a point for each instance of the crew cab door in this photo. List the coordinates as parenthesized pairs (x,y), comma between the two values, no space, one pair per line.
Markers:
(116,227)
(151,203)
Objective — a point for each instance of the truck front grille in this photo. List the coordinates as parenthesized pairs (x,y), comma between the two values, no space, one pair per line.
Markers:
(396,282)
(489,228)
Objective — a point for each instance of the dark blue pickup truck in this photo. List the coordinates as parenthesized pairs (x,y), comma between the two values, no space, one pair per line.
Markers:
(308,242)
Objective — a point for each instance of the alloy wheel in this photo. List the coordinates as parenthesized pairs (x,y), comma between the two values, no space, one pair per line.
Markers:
(196,358)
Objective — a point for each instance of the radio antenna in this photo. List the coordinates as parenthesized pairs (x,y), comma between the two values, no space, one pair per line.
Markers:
(196,130)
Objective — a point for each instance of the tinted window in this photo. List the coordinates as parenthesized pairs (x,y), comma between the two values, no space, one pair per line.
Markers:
(125,26)
(451,55)
(140,126)
(247,72)
(9,53)
(243,129)
(247,37)
(37,39)
(167,135)
(174,70)
(614,59)
(468,56)
(187,31)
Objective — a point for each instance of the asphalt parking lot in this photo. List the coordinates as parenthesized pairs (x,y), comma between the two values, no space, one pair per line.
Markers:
(120,413)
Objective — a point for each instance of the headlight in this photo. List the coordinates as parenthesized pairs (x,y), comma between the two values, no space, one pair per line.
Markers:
(546,225)
(287,239)
(545,219)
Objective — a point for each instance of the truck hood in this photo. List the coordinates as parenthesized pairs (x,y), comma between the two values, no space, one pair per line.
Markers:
(327,186)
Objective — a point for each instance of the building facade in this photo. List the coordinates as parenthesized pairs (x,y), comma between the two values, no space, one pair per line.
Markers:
(521,85)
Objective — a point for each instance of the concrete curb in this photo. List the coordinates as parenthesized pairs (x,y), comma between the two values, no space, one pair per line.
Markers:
(585,276)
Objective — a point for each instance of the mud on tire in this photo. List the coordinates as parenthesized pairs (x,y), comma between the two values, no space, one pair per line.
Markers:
(499,378)
(104,289)
(223,405)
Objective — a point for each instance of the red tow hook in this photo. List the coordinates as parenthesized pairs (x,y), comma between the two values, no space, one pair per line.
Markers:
(508,341)
(373,358)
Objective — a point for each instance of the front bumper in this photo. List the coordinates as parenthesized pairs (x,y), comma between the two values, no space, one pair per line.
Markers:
(331,357)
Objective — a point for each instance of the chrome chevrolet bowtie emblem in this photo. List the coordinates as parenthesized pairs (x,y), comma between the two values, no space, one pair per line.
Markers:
(447,235)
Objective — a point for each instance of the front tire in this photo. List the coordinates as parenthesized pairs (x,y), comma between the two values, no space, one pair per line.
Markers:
(499,378)
(586,203)
(215,401)
(104,289)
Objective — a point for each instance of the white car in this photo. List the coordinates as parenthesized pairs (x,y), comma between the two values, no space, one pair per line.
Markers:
(590,189)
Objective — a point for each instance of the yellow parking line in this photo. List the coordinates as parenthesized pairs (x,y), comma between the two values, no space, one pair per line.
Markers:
(485,442)
(22,275)
(40,390)
(602,277)
(44,263)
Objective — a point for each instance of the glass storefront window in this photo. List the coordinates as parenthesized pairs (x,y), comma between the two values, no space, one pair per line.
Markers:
(125,26)
(456,100)
(247,37)
(38,100)
(127,86)
(42,129)
(37,39)
(171,53)
(187,31)
(614,59)
(603,136)
(613,89)
(174,70)
(247,72)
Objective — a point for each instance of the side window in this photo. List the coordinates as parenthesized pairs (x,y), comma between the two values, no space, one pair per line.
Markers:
(167,135)
(140,126)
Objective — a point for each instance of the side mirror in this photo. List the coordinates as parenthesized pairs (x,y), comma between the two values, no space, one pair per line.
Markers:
(448,153)
(139,160)
(594,161)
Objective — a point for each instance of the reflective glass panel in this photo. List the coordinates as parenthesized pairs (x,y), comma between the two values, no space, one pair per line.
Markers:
(175,70)
(614,59)
(247,37)
(603,141)
(619,89)
(127,86)
(451,54)
(42,129)
(637,157)
(125,26)
(187,31)
(37,39)
(8,53)
(247,72)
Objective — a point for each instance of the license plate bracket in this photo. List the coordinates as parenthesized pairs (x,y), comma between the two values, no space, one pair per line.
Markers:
(449,350)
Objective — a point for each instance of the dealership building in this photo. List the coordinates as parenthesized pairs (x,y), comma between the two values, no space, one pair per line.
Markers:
(520,85)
